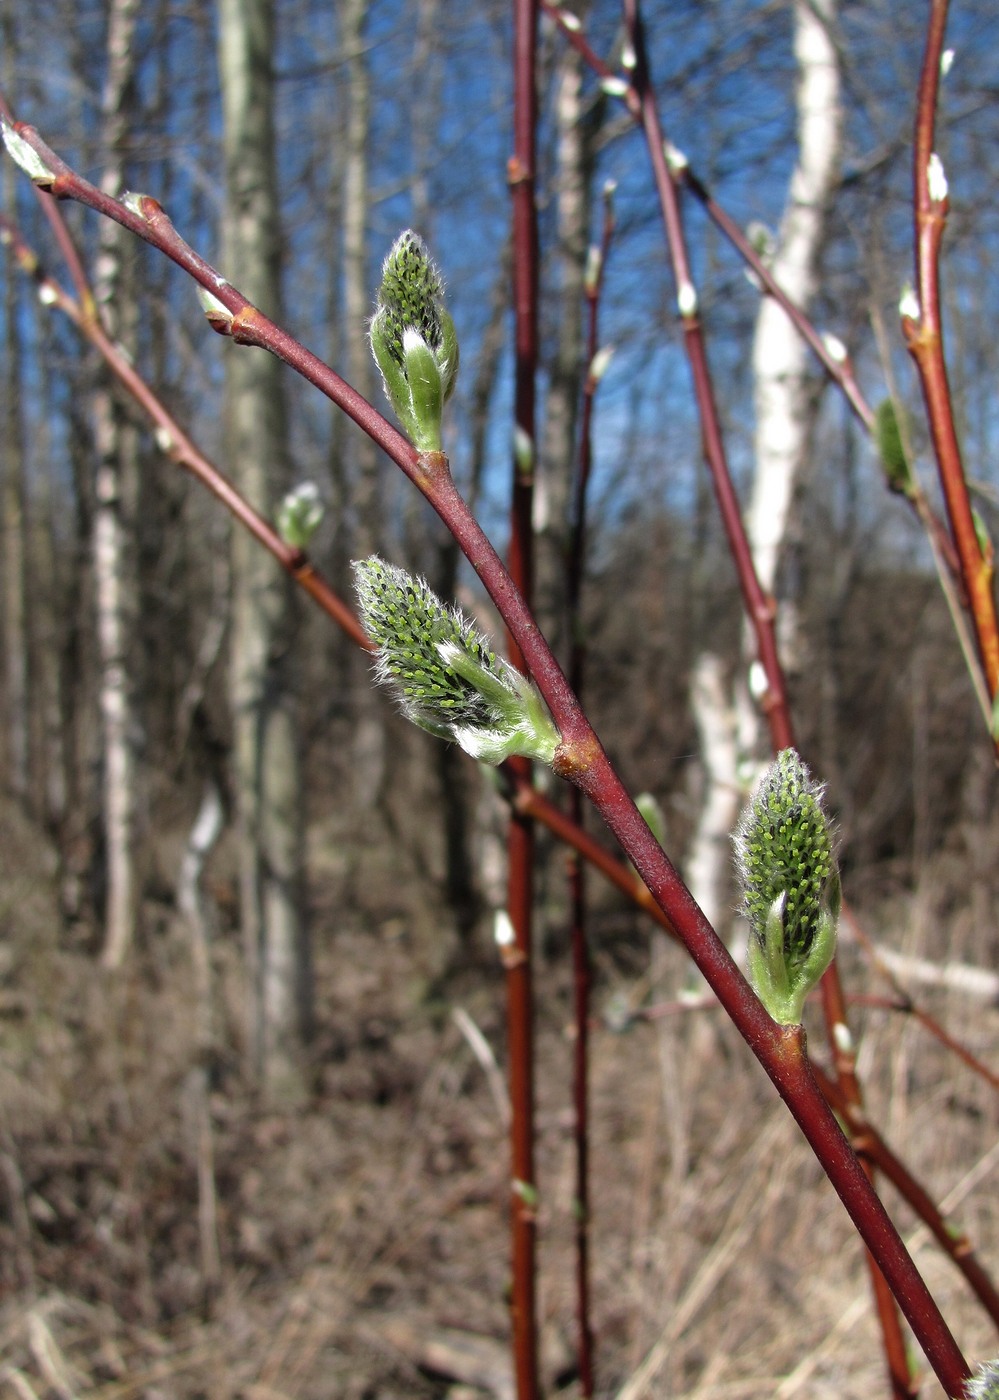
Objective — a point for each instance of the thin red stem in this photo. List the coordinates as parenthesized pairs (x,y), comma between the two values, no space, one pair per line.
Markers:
(581,967)
(520,831)
(924,334)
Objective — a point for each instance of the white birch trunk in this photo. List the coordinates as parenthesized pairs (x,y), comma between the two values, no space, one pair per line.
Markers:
(709,862)
(113,581)
(780,356)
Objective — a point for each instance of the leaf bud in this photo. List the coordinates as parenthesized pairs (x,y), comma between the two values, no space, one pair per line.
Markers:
(300,514)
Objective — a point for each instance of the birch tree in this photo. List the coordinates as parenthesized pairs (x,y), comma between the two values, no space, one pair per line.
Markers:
(267,776)
(114,582)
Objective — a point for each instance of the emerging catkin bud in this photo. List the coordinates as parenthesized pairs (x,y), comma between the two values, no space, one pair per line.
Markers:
(413,340)
(791,889)
(984,1384)
(444,673)
(300,514)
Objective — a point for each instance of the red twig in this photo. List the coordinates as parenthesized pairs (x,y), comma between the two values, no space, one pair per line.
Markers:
(759,606)
(924,335)
(520,831)
(576,869)
(869,1143)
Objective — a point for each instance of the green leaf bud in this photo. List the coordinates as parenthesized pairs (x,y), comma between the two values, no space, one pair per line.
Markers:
(791,889)
(444,673)
(300,514)
(891,449)
(21,151)
(413,340)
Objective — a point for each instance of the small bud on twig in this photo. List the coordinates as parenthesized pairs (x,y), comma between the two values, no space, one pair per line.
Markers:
(523,451)
(908,304)
(135,201)
(219,316)
(936,179)
(835,348)
(600,362)
(444,673)
(25,155)
(300,514)
(891,449)
(791,887)
(675,158)
(686,300)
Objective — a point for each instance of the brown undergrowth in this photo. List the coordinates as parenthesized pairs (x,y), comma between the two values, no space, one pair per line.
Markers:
(362,1235)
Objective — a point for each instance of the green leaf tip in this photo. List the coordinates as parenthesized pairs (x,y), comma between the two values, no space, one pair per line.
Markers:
(790,883)
(444,673)
(413,340)
(984,1384)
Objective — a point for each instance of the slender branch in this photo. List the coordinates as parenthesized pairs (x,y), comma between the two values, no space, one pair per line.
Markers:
(956,1245)
(759,606)
(172,439)
(581,965)
(520,830)
(923,329)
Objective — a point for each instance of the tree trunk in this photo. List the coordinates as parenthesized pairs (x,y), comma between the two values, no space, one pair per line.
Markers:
(114,574)
(267,776)
(553,480)
(784,391)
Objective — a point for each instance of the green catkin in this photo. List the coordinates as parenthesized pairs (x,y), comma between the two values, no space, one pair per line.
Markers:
(790,885)
(413,340)
(444,672)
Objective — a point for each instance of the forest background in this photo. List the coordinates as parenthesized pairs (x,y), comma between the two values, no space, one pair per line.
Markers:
(226,1175)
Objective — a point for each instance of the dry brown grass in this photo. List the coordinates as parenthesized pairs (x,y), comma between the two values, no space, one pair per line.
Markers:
(371,1220)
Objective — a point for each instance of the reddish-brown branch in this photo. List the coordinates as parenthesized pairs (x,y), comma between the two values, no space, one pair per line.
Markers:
(848,1085)
(759,607)
(924,335)
(176,444)
(520,832)
(581,967)
(869,1143)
